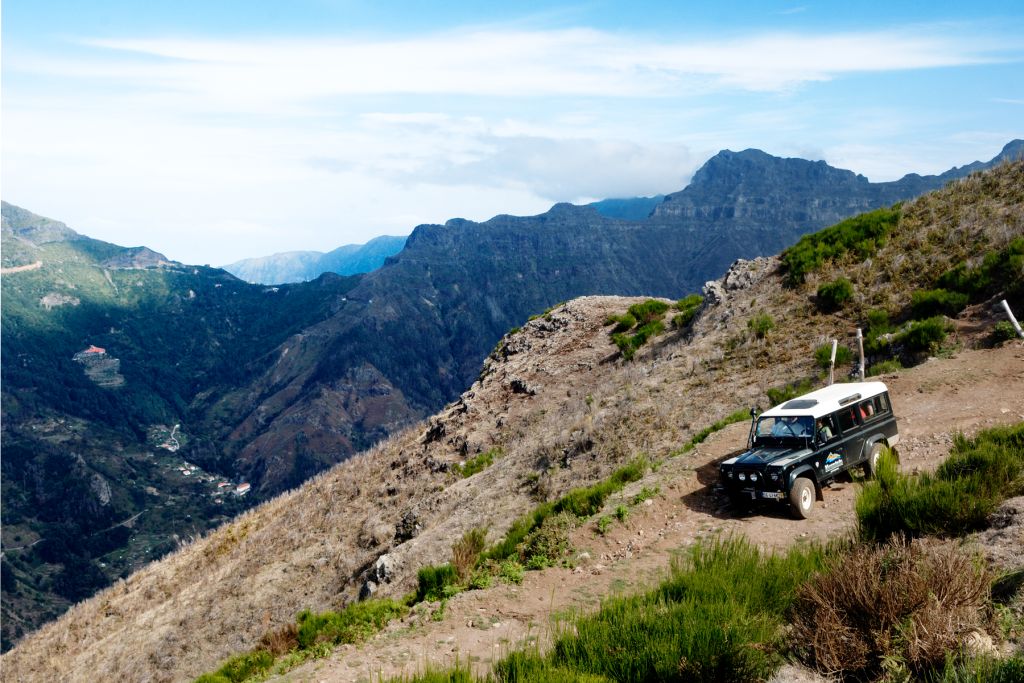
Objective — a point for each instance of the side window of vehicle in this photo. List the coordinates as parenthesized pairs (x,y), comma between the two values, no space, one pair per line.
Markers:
(826,429)
(866,409)
(847,420)
(881,404)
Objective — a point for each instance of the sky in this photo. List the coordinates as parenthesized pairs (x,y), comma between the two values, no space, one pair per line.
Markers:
(216,131)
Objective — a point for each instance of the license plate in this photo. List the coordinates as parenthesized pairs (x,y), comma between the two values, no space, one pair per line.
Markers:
(771,494)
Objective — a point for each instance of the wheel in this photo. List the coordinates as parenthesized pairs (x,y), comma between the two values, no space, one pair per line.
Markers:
(801,497)
(871,464)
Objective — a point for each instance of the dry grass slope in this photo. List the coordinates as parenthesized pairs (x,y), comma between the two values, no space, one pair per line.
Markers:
(565,411)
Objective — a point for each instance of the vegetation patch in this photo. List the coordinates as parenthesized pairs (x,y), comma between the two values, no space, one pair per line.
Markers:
(899,608)
(778,395)
(1001,270)
(699,437)
(823,356)
(860,236)
(925,303)
(832,295)
(477,463)
(966,488)
(760,325)
(635,327)
(688,308)
(884,367)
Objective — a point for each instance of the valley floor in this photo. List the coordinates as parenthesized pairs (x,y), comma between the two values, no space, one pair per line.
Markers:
(974,390)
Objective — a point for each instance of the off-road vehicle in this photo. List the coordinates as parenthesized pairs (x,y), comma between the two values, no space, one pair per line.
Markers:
(799,447)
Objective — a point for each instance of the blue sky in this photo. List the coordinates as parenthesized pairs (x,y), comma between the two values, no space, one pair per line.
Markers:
(213,131)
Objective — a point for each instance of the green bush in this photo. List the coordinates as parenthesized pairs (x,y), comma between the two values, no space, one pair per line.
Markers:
(628,344)
(980,670)
(1003,331)
(760,325)
(240,668)
(925,303)
(477,463)
(925,335)
(861,235)
(884,367)
(353,624)
(999,270)
(699,437)
(832,295)
(648,311)
(434,580)
(779,395)
(823,356)
(582,502)
(622,322)
(548,544)
(688,308)
(717,618)
(978,475)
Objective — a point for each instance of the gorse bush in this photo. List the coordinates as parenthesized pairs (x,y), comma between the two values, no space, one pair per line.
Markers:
(760,325)
(699,437)
(861,236)
(978,475)
(478,463)
(582,502)
(832,295)
(925,303)
(546,545)
(925,335)
(622,322)
(648,311)
(688,308)
(778,395)
(823,356)
(999,270)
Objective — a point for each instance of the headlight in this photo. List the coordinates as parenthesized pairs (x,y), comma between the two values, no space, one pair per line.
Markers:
(742,477)
(753,476)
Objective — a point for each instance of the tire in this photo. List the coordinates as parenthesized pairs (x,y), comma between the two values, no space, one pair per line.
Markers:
(871,464)
(801,497)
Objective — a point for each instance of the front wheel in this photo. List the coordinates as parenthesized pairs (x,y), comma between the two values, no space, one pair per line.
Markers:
(871,464)
(801,497)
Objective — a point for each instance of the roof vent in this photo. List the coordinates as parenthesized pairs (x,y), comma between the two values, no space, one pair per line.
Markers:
(849,399)
(800,404)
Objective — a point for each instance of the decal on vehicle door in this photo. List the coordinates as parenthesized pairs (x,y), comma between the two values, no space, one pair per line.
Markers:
(833,462)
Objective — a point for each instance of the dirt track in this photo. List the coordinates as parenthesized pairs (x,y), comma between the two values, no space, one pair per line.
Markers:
(972,391)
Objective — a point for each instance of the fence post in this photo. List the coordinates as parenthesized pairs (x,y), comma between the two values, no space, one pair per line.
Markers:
(860,347)
(1009,313)
(832,364)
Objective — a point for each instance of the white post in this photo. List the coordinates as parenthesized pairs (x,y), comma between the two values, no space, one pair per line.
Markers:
(1009,314)
(860,346)
(832,363)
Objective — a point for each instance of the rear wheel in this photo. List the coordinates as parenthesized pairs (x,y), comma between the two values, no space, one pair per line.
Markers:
(801,497)
(871,464)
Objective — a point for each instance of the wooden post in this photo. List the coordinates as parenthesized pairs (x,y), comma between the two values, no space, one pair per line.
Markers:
(860,346)
(832,363)
(1009,314)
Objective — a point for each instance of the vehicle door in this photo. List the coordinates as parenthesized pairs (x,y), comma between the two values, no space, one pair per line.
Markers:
(828,446)
(848,419)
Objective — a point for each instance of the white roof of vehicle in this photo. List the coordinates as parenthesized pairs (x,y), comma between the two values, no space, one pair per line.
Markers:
(827,400)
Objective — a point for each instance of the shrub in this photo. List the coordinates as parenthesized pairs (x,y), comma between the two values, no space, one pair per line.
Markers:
(981,670)
(240,668)
(957,499)
(511,572)
(823,356)
(862,235)
(466,551)
(717,618)
(648,311)
(907,603)
(699,437)
(925,335)
(688,308)
(1003,331)
(353,624)
(478,463)
(622,322)
(629,344)
(778,395)
(832,295)
(760,325)
(925,303)
(999,270)
(546,545)
(604,524)
(884,367)
(433,580)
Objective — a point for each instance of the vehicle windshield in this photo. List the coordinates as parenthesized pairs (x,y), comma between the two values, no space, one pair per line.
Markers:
(788,427)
